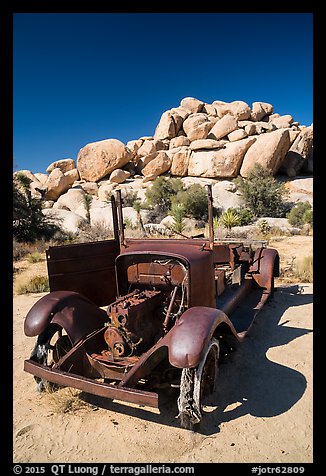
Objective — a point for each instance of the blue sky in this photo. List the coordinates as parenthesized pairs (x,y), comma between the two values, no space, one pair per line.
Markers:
(80,78)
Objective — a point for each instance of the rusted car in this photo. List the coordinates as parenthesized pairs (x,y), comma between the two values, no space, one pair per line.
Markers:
(126,317)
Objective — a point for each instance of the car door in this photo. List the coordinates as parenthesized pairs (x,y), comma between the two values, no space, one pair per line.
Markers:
(87,268)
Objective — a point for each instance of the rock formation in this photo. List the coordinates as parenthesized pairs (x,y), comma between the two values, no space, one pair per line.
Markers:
(195,141)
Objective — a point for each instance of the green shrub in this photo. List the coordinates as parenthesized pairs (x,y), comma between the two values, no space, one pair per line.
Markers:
(264,227)
(262,194)
(38,284)
(35,257)
(155,214)
(216,222)
(21,249)
(165,192)
(194,202)
(229,219)
(128,223)
(178,214)
(300,214)
(137,206)
(130,199)
(87,200)
(246,216)
(162,191)
(29,223)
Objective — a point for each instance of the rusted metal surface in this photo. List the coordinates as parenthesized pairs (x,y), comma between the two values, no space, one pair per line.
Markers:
(187,341)
(154,273)
(220,281)
(210,216)
(168,302)
(264,267)
(221,253)
(135,323)
(72,311)
(236,297)
(92,386)
(120,220)
(87,268)
(196,259)
(115,220)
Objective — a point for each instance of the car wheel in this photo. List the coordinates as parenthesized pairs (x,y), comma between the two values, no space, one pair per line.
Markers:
(196,385)
(51,345)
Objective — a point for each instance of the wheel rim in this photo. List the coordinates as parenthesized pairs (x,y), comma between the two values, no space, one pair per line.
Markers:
(48,351)
(206,374)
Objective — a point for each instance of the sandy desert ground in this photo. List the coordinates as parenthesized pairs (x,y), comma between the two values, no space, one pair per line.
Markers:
(262,410)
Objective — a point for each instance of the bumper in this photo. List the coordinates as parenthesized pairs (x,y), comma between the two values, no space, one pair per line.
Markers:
(87,385)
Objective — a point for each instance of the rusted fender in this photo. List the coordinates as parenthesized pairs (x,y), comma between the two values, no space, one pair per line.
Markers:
(265,266)
(189,338)
(75,313)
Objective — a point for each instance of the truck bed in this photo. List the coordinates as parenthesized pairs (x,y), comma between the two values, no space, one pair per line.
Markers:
(241,303)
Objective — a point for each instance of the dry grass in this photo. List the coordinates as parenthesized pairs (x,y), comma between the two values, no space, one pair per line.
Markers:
(303,269)
(296,257)
(97,232)
(67,400)
(35,257)
(37,284)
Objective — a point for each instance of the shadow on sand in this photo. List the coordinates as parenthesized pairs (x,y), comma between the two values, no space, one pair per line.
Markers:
(257,385)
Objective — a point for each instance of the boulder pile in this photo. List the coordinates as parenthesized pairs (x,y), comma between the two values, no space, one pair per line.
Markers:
(196,141)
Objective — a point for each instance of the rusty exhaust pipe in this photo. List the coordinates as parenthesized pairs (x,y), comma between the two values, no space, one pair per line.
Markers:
(115,219)
(210,216)
(120,220)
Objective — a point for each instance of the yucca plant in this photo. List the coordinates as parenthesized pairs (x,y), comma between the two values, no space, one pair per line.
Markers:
(87,199)
(178,214)
(24,183)
(137,205)
(229,219)
(29,223)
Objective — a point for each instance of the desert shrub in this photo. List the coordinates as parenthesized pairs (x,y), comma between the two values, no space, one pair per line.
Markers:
(229,219)
(32,251)
(167,191)
(87,201)
(262,194)
(137,206)
(97,232)
(35,257)
(246,216)
(308,217)
(38,284)
(162,191)
(194,201)
(29,223)
(130,198)
(155,214)
(300,214)
(303,269)
(128,223)
(21,249)
(264,227)
(59,237)
(178,214)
